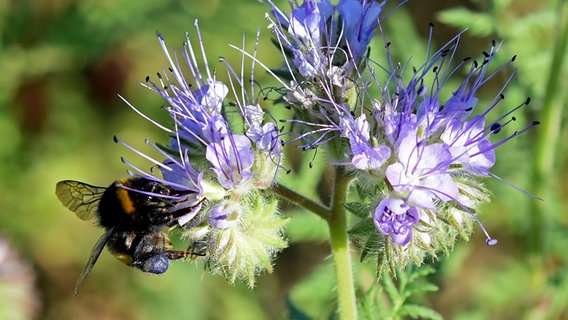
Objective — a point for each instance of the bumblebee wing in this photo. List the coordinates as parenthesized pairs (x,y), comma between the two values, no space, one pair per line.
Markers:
(95,253)
(79,197)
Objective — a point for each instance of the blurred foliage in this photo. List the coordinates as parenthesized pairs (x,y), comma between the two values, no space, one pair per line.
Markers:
(63,63)
(389,300)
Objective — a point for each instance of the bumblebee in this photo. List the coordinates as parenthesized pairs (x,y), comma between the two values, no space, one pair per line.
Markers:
(133,212)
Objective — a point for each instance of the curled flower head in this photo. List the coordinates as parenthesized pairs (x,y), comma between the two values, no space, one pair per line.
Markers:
(319,33)
(305,35)
(359,19)
(324,47)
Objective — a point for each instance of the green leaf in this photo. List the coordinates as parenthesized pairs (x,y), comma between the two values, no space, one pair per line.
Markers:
(421,272)
(363,227)
(369,307)
(371,246)
(422,287)
(358,208)
(390,289)
(416,311)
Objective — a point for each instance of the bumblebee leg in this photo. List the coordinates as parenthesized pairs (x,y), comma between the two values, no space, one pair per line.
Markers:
(171,217)
(182,254)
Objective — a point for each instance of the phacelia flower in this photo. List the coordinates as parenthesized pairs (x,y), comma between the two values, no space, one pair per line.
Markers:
(220,172)
(421,172)
(469,145)
(395,218)
(232,158)
(365,156)
(441,148)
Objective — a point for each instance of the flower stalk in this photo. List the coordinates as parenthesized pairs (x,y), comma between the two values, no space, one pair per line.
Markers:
(298,199)
(340,247)
(336,218)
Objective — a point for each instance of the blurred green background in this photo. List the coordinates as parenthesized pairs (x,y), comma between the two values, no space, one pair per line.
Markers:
(62,64)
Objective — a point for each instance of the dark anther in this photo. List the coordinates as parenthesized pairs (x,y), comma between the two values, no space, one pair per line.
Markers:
(485,54)
(387,45)
(514,118)
(495,128)
(431,25)
(514,57)
(159,75)
(535,123)
(502,96)
(170,68)
(528,100)
(115,139)
(147,78)
(421,90)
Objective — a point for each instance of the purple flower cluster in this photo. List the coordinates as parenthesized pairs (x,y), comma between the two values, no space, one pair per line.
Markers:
(437,144)
(426,152)
(221,169)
